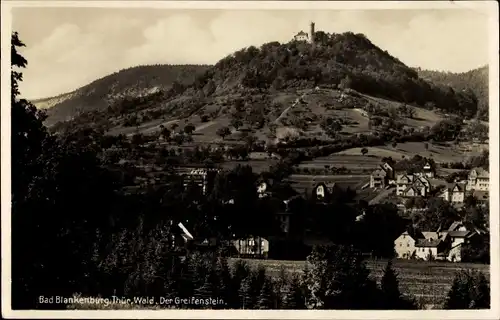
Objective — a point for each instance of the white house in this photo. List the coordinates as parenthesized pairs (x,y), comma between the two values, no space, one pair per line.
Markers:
(301,36)
(404,245)
(252,246)
(479,179)
(455,194)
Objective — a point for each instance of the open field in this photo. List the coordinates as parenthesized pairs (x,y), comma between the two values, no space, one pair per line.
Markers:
(302,182)
(258,166)
(354,162)
(440,154)
(429,282)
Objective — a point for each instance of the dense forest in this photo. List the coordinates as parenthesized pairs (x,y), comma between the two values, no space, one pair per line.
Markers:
(475,80)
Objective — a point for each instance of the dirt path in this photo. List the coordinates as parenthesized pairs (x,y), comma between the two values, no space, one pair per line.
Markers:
(293,105)
(204,126)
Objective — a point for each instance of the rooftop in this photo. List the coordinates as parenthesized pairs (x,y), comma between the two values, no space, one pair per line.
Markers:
(428,243)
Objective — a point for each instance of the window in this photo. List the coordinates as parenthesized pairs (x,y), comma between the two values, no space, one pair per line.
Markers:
(407,244)
(400,244)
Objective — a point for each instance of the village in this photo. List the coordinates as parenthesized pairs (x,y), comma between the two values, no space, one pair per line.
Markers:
(404,189)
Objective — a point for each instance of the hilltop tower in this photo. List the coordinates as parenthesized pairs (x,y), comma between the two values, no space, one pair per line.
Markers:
(311,35)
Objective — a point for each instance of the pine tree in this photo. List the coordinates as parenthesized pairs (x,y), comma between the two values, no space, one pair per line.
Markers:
(481,294)
(245,294)
(390,288)
(223,280)
(266,296)
(206,291)
(461,294)
(240,272)
(258,277)
(295,297)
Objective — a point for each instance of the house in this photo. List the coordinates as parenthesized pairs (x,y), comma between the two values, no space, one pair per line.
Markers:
(404,245)
(322,190)
(378,179)
(389,170)
(433,246)
(382,176)
(459,235)
(481,196)
(430,249)
(256,247)
(201,177)
(455,194)
(479,179)
(412,185)
(429,170)
(301,36)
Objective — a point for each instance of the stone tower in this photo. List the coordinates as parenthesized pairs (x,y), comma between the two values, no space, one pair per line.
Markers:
(311,34)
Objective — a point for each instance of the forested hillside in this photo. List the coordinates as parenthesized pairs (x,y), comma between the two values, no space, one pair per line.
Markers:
(255,77)
(131,82)
(475,80)
(345,60)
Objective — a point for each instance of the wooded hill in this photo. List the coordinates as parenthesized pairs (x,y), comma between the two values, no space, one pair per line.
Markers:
(257,75)
(475,80)
(131,82)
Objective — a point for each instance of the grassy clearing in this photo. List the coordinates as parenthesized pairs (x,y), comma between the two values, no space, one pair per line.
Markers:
(354,162)
(440,154)
(429,282)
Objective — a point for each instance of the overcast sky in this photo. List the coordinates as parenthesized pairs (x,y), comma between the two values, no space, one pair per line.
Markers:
(70,47)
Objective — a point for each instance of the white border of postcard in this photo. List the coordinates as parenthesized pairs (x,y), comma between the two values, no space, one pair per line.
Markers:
(488,8)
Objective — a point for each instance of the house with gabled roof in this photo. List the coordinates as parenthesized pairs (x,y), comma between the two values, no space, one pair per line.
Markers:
(382,176)
(479,179)
(454,194)
(378,178)
(404,245)
(460,233)
(412,185)
(433,246)
(301,36)
(431,249)
(428,170)
(322,190)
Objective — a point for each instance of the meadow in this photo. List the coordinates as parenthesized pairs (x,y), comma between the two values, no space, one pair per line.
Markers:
(429,282)
(440,153)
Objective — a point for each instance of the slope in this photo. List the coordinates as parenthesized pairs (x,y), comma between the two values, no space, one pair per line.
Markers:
(475,80)
(131,82)
(264,90)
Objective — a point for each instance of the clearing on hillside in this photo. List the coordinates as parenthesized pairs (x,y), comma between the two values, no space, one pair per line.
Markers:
(440,153)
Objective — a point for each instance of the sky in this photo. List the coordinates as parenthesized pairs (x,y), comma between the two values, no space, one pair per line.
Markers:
(67,48)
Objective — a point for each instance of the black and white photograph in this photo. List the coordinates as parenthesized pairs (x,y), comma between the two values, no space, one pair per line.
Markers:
(242,159)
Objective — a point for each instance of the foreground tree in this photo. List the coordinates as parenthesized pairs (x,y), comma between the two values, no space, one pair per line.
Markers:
(338,279)
(470,290)
(392,298)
